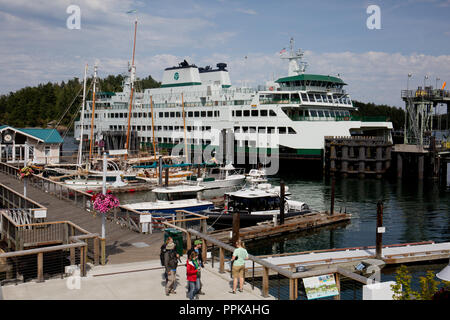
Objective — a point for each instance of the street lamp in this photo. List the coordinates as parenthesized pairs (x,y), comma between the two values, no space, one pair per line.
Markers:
(444,274)
(424,79)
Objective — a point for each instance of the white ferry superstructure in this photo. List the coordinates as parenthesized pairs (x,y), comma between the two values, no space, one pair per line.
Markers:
(291,116)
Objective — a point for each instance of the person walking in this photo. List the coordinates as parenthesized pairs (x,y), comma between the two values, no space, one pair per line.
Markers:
(171,264)
(240,254)
(164,255)
(192,267)
(197,248)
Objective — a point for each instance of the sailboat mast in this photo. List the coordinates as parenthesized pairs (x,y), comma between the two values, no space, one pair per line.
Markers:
(132,76)
(184,125)
(80,147)
(93,113)
(153,127)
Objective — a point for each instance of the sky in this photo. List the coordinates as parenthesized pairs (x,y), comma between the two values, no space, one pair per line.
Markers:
(36,45)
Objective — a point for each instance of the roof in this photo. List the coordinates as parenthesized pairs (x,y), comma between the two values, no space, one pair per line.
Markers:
(44,135)
(252,193)
(312,77)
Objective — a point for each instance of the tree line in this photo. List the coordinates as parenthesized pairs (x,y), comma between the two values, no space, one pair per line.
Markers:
(41,105)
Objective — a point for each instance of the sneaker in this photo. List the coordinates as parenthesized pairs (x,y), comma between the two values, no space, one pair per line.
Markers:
(201,293)
(167,294)
(173,291)
(240,290)
(233,292)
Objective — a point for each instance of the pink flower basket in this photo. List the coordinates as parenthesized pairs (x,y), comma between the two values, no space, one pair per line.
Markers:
(104,203)
(25,172)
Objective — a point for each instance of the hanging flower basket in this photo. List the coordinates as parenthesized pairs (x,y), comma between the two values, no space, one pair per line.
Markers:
(25,172)
(104,203)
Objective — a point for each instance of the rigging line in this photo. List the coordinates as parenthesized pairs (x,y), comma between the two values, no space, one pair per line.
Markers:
(72,120)
(65,112)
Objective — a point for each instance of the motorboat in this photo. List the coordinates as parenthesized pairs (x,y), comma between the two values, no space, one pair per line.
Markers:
(172,198)
(219,177)
(255,204)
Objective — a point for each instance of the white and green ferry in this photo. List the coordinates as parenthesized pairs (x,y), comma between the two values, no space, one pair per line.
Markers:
(290,116)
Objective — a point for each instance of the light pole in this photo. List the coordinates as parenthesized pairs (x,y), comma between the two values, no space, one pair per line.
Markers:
(407,83)
(437,79)
(103,238)
(424,81)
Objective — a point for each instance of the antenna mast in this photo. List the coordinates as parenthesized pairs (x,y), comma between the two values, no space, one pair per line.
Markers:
(93,112)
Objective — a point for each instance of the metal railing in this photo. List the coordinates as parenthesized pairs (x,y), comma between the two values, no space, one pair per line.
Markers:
(287,273)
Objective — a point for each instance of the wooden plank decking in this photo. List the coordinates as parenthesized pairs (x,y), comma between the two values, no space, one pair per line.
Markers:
(119,240)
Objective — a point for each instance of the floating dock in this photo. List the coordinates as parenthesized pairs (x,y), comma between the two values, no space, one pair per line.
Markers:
(293,224)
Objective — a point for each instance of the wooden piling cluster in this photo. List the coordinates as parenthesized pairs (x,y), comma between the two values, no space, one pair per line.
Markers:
(357,155)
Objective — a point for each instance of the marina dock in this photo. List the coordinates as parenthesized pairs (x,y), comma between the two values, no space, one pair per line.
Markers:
(293,224)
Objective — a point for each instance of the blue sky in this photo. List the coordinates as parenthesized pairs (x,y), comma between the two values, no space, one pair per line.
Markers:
(36,46)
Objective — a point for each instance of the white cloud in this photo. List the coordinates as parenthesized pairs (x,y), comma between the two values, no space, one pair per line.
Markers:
(247,11)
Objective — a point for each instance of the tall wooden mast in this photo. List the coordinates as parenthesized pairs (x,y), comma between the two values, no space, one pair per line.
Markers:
(80,146)
(132,78)
(93,113)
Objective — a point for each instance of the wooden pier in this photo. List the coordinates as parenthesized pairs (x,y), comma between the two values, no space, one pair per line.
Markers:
(293,224)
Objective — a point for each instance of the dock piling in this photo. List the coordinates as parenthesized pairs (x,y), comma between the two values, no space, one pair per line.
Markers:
(379,237)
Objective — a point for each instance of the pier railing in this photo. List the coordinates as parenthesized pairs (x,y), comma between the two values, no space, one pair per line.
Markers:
(40,250)
(268,269)
(129,218)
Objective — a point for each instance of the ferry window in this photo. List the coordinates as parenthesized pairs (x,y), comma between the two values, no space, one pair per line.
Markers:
(159,128)
(263,113)
(324,98)
(327,114)
(232,113)
(281,130)
(311,97)
(203,114)
(252,129)
(304,97)
(196,114)
(237,129)
(166,114)
(320,113)
(208,128)
(170,128)
(133,128)
(254,113)
(190,114)
(261,129)
(144,115)
(112,115)
(244,129)
(138,128)
(161,114)
(313,113)
(165,127)
(172,114)
(238,113)
(149,128)
(270,129)
(216,113)
(318,98)
(246,113)
(272,113)
(291,131)
(140,115)
(210,113)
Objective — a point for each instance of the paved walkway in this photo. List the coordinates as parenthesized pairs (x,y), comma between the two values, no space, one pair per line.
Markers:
(141,281)
(122,244)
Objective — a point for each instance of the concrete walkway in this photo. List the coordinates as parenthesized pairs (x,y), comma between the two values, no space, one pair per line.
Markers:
(134,281)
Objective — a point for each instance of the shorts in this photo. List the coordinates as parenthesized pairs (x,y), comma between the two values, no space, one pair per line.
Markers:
(238,271)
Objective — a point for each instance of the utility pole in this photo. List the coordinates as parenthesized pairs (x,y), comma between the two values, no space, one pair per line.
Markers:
(333,182)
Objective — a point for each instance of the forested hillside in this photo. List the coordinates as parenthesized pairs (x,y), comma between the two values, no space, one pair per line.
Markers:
(38,106)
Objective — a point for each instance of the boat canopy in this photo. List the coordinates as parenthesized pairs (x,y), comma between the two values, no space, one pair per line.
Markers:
(311,77)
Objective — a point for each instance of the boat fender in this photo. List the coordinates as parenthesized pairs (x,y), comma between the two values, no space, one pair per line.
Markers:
(346,118)
(286,207)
